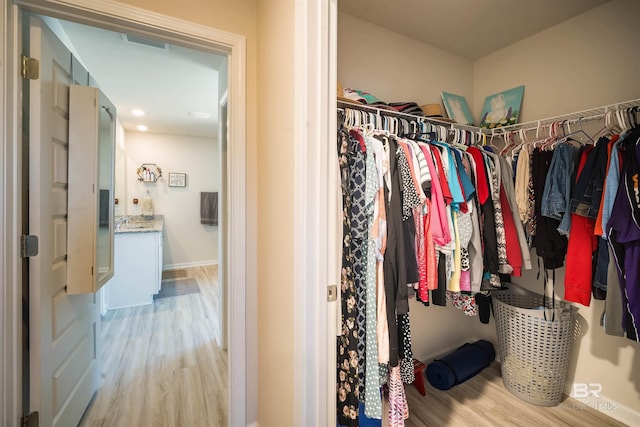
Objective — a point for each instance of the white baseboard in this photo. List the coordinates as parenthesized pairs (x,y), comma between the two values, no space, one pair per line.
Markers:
(609,407)
(190,264)
(253,424)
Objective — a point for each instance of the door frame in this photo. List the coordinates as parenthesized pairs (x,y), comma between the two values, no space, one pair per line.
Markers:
(118,17)
(317,223)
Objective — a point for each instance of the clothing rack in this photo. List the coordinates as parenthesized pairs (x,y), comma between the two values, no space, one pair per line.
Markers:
(590,114)
(383,111)
(596,113)
(448,131)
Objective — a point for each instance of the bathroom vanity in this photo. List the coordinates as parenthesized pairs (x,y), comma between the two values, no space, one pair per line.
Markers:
(138,262)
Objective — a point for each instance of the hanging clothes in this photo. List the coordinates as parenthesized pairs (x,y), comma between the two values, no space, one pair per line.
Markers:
(412,226)
(582,243)
(347,360)
(623,232)
(550,245)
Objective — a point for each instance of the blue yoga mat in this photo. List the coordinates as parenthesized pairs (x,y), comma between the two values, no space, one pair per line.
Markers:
(462,364)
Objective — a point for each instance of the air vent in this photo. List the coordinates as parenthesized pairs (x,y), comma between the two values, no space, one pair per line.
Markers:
(131,38)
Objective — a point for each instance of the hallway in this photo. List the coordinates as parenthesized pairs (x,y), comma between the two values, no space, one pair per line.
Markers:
(161,363)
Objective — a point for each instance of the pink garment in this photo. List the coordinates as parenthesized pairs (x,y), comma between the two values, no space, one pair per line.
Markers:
(430,246)
(421,253)
(398,407)
(465,281)
(438,222)
(427,258)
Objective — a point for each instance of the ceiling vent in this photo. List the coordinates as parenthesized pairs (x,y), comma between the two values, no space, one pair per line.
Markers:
(131,38)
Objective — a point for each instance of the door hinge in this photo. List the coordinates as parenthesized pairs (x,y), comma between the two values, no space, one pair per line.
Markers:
(30,420)
(332,292)
(30,68)
(28,246)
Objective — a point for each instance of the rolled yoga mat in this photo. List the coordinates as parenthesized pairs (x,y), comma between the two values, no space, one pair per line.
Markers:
(464,363)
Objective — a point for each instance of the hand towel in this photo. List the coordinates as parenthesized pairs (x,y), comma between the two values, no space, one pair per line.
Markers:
(209,208)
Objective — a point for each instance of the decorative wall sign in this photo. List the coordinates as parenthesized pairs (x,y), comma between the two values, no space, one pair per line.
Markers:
(177,179)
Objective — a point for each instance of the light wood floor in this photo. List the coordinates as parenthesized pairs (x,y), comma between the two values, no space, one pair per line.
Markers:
(163,367)
(161,363)
(484,401)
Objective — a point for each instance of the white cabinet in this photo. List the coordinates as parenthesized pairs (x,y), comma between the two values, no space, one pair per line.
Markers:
(138,269)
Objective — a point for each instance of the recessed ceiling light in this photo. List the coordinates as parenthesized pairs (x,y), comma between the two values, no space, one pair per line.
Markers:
(199,115)
(137,112)
(142,128)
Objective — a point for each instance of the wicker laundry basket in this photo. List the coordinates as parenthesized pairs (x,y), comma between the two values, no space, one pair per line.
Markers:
(534,352)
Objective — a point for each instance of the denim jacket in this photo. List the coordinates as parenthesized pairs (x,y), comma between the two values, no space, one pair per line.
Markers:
(587,194)
(557,187)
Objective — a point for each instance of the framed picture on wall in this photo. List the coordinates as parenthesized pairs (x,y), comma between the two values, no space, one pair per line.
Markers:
(502,109)
(177,179)
(457,108)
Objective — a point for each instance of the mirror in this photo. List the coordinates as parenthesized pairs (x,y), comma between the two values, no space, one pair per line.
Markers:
(90,224)
(106,146)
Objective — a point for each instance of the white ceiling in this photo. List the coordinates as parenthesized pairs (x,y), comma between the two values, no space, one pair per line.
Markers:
(469,28)
(166,84)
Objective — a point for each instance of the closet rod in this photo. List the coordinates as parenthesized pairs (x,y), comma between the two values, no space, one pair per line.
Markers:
(585,115)
(383,111)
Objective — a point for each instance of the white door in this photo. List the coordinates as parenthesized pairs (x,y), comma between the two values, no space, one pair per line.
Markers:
(63,329)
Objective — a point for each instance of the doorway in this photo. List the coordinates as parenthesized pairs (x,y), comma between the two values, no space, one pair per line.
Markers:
(212,41)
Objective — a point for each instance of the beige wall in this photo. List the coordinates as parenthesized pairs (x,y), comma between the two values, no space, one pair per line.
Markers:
(186,241)
(275,218)
(588,61)
(394,67)
(585,62)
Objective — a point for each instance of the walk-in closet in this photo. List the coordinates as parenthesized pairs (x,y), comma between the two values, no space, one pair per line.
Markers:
(463,238)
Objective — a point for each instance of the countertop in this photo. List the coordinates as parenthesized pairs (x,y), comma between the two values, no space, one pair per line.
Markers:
(139,224)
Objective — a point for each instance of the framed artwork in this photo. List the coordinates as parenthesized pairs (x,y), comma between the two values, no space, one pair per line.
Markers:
(457,108)
(502,109)
(177,179)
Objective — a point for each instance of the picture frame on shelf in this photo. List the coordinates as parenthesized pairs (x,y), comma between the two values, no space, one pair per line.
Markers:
(457,108)
(177,179)
(503,108)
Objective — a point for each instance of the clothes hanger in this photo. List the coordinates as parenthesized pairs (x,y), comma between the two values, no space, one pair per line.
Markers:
(491,144)
(621,121)
(522,134)
(609,127)
(632,117)
(553,136)
(460,141)
(509,144)
(482,138)
(568,137)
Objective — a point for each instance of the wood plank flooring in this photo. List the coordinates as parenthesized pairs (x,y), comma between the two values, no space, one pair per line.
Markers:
(484,401)
(161,363)
(162,367)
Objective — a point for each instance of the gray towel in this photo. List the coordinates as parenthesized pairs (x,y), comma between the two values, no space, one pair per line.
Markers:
(209,208)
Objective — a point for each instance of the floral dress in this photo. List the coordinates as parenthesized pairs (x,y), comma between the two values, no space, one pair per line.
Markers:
(347,363)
